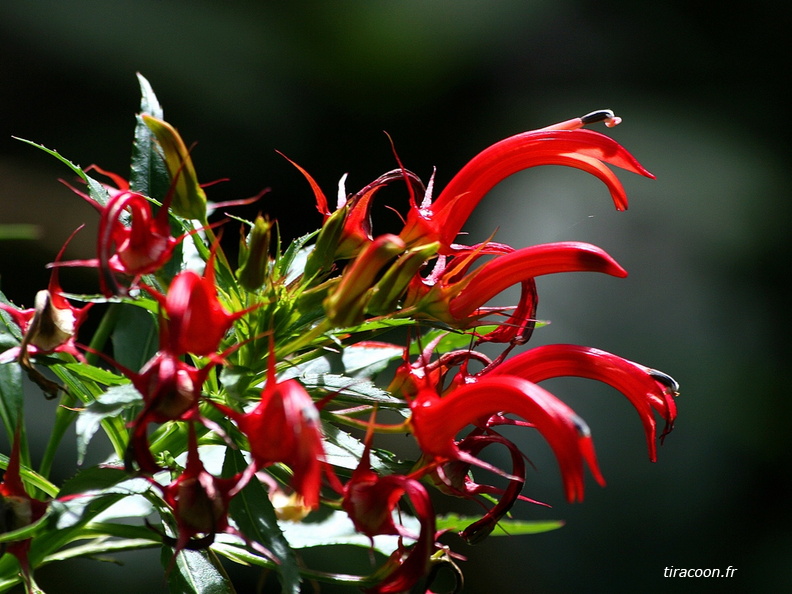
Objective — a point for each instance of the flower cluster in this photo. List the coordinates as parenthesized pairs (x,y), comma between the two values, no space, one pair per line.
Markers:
(288,362)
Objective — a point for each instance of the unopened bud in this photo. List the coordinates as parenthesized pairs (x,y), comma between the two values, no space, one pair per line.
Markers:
(323,254)
(347,303)
(394,282)
(254,255)
(189,199)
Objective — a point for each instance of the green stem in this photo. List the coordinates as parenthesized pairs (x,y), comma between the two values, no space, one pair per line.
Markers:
(103,332)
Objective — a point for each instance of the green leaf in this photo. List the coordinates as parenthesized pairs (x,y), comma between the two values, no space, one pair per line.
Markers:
(195,572)
(236,552)
(95,190)
(358,391)
(66,518)
(93,479)
(507,527)
(252,511)
(98,548)
(112,403)
(135,336)
(96,374)
(12,397)
(32,478)
(337,529)
(148,173)
(344,451)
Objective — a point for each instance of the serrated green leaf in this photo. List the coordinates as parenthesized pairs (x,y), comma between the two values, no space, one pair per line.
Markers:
(253,513)
(148,173)
(344,451)
(195,572)
(148,100)
(505,527)
(357,391)
(93,479)
(95,190)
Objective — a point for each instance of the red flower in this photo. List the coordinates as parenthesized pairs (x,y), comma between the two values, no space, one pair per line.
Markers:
(19,509)
(195,320)
(132,241)
(171,391)
(370,500)
(199,501)
(356,208)
(562,144)
(436,421)
(457,298)
(454,478)
(285,427)
(647,389)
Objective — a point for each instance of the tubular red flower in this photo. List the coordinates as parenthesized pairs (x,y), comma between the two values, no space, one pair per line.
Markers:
(370,500)
(285,427)
(357,232)
(436,421)
(131,240)
(19,509)
(171,391)
(581,149)
(636,382)
(457,301)
(199,501)
(454,478)
(196,322)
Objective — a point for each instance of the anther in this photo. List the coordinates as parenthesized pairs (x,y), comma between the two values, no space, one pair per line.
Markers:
(665,379)
(601,115)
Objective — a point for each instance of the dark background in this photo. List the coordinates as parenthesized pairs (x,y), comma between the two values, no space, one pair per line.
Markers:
(699,88)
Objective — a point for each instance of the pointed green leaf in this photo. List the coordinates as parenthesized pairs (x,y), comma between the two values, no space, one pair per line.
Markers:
(195,572)
(252,511)
(148,173)
(112,403)
(95,190)
(505,527)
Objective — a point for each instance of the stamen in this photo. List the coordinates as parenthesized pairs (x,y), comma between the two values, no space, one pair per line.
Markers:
(601,115)
(666,380)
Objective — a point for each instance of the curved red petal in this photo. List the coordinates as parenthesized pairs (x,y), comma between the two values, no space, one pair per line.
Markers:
(635,381)
(436,421)
(509,269)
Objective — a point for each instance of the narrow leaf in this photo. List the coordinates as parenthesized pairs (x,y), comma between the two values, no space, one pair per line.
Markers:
(457,523)
(252,511)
